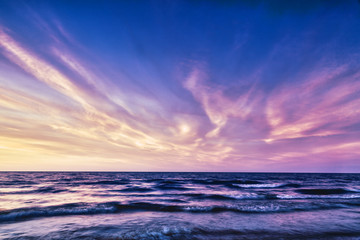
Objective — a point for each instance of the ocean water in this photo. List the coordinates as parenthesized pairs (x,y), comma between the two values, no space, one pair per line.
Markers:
(103,205)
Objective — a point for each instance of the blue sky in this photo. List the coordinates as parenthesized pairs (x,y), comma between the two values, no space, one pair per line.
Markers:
(180,85)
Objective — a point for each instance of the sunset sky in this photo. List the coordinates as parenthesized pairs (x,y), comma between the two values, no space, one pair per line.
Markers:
(180,85)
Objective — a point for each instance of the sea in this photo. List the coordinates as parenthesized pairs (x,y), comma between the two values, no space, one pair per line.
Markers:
(154,205)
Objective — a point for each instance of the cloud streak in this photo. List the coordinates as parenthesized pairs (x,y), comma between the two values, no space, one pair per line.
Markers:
(66,106)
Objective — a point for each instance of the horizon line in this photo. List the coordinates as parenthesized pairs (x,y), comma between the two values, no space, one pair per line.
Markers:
(85,171)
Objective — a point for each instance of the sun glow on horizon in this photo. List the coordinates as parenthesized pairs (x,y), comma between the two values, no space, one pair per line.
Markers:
(98,89)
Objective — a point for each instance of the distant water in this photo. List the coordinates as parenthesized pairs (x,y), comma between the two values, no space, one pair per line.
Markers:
(58,205)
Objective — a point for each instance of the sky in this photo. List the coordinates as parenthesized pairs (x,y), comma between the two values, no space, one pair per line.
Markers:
(259,86)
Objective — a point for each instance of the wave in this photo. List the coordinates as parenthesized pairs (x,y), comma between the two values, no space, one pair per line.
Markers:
(231,196)
(182,230)
(134,189)
(171,186)
(42,190)
(291,185)
(49,190)
(324,191)
(167,181)
(267,185)
(209,196)
(318,197)
(224,182)
(102,182)
(267,196)
(23,214)
(60,210)
(107,182)
(16,183)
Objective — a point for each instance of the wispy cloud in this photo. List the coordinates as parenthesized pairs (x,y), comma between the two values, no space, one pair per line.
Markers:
(315,107)
(218,107)
(64,107)
(102,120)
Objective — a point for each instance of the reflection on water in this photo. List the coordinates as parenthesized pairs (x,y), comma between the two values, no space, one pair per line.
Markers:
(179,205)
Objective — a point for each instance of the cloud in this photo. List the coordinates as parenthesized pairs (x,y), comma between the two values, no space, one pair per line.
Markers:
(97,118)
(218,107)
(65,107)
(321,105)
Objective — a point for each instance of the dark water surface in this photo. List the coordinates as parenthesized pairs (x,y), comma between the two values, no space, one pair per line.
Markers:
(84,205)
